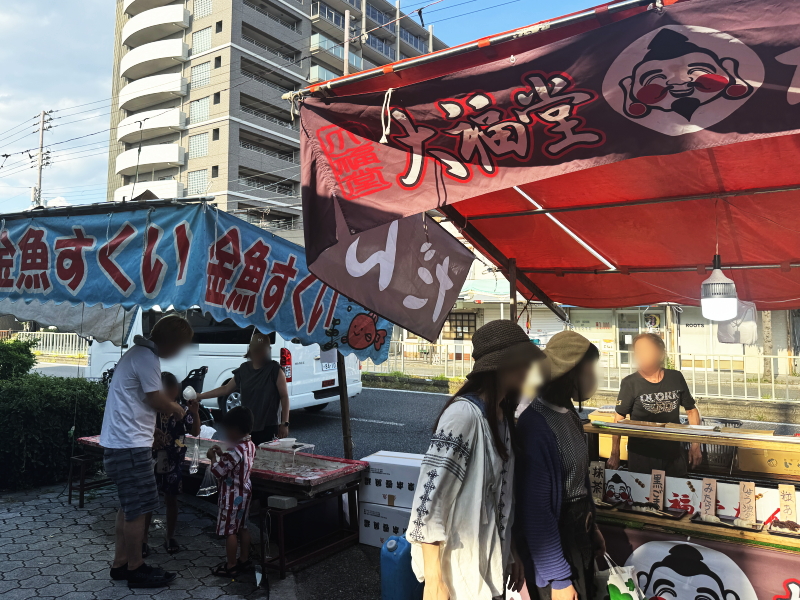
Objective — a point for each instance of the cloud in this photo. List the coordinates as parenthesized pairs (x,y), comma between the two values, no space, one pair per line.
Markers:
(55,55)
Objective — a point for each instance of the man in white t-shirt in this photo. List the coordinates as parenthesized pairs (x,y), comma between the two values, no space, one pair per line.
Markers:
(134,399)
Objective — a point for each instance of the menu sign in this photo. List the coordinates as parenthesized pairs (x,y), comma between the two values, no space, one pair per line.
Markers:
(709,495)
(747,501)
(597,479)
(657,483)
(788,502)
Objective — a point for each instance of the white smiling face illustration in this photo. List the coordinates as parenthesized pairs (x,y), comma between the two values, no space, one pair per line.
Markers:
(678,79)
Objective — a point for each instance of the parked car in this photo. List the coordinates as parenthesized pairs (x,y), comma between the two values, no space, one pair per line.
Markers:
(222,346)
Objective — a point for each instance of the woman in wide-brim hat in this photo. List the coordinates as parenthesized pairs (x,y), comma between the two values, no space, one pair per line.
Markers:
(461,520)
(559,540)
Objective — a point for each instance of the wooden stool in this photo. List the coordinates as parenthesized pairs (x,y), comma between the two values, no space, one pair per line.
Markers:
(82,462)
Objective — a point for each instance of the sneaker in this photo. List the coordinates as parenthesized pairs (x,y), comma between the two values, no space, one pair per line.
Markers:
(149,577)
(119,573)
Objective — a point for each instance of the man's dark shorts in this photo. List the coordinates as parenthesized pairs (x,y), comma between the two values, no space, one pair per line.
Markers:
(132,470)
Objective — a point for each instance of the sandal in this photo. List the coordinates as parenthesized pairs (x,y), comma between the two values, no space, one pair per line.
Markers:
(222,570)
(171,546)
(244,566)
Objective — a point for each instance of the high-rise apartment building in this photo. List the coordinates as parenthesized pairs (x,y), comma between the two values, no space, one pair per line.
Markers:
(197,87)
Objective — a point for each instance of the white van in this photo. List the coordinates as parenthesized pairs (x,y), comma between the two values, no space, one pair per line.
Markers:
(221,347)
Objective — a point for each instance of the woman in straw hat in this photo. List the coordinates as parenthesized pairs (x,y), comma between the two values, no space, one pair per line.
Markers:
(558,536)
(461,520)
(262,386)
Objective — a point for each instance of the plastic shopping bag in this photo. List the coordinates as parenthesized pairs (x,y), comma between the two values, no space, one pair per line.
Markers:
(209,485)
(195,466)
(622,582)
(601,582)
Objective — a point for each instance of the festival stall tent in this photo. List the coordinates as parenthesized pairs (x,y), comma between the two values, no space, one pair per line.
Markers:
(601,159)
(88,269)
(609,155)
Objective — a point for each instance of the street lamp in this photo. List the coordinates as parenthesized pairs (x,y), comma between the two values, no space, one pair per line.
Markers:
(718,295)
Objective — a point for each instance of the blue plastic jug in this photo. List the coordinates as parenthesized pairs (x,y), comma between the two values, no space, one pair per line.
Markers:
(398,581)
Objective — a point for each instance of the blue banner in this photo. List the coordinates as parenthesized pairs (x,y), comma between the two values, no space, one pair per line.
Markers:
(183,256)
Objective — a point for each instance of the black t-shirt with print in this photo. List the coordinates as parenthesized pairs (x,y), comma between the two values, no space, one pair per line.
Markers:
(655,402)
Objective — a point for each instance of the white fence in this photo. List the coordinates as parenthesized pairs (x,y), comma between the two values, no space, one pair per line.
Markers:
(56,344)
(422,359)
(753,377)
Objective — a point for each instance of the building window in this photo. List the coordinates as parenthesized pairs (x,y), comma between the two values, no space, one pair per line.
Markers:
(201,75)
(198,181)
(214,171)
(217,62)
(198,145)
(215,135)
(198,110)
(202,8)
(219,27)
(201,41)
(459,326)
(217,97)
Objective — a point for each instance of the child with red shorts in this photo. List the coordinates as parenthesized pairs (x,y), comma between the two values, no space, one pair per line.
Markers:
(233,472)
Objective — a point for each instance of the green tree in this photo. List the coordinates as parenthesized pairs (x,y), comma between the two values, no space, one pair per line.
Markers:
(16,358)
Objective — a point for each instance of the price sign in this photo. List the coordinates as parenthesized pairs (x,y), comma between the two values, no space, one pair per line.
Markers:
(657,486)
(788,503)
(597,479)
(709,497)
(747,501)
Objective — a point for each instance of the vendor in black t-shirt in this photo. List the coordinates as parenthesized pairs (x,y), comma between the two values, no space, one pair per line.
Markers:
(654,394)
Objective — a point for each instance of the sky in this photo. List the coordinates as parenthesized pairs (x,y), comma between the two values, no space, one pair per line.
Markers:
(57,55)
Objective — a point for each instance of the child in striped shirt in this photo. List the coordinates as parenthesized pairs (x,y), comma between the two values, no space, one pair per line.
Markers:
(233,472)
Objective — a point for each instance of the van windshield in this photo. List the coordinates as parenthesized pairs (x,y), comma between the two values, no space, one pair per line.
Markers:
(206,329)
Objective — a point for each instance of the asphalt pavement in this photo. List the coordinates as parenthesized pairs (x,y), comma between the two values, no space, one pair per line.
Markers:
(380,419)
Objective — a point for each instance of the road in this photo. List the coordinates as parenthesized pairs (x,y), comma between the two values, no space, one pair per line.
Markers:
(380,419)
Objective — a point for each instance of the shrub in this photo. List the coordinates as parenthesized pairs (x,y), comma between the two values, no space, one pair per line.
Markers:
(38,414)
(16,357)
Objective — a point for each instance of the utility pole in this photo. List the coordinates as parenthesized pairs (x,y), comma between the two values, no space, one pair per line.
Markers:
(43,120)
(347,42)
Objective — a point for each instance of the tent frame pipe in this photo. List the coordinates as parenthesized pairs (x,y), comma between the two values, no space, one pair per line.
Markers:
(627,271)
(502,261)
(626,203)
(463,49)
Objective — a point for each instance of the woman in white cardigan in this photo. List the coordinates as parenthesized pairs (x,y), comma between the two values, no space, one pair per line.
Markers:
(461,520)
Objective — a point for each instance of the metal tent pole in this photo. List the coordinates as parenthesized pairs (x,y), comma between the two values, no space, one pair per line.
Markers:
(512,282)
(344,403)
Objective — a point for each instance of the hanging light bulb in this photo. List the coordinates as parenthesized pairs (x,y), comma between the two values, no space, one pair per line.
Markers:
(718,295)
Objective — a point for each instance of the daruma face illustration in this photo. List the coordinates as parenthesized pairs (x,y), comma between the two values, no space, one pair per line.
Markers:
(681,79)
(617,490)
(681,571)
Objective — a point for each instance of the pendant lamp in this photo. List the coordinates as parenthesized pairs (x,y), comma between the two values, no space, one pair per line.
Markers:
(718,295)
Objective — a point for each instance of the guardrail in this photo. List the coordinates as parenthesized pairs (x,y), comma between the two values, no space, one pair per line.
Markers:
(751,377)
(56,344)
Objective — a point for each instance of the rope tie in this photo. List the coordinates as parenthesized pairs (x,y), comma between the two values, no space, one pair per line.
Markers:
(386,116)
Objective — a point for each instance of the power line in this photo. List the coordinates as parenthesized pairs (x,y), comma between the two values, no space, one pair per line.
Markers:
(16,127)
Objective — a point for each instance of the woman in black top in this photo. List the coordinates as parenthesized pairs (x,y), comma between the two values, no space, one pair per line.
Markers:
(262,386)
(654,394)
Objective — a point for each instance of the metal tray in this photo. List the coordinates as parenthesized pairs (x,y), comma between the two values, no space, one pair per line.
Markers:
(727,523)
(668,513)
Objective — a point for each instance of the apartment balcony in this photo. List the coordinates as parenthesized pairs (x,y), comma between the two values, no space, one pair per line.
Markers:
(284,156)
(153,90)
(156,24)
(134,7)
(266,82)
(354,6)
(163,189)
(328,20)
(379,50)
(154,123)
(152,58)
(290,25)
(270,119)
(153,158)
(318,74)
(332,53)
(378,18)
(412,45)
